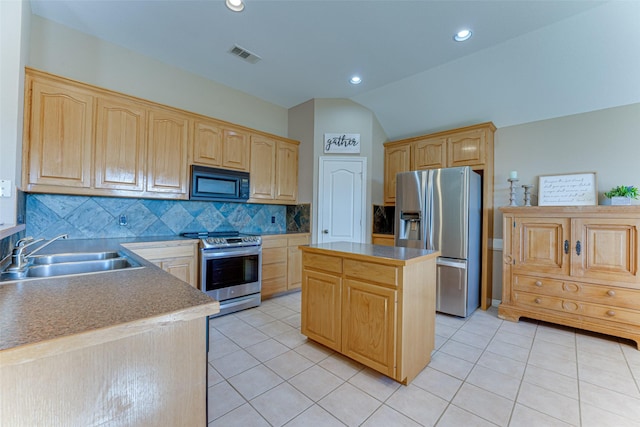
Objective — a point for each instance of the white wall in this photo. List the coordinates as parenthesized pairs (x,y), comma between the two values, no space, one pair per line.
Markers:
(14,44)
(606,142)
(60,50)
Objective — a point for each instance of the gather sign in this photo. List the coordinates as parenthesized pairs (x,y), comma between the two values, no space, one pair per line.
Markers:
(341,143)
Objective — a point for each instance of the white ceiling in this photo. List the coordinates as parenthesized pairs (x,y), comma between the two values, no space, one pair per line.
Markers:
(527,60)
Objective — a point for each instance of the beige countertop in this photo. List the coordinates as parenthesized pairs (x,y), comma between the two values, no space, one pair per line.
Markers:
(392,254)
(39,310)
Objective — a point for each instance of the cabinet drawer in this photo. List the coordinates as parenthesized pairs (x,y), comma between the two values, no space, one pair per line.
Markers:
(298,240)
(578,308)
(273,255)
(160,252)
(384,274)
(272,271)
(322,262)
(600,294)
(278,242)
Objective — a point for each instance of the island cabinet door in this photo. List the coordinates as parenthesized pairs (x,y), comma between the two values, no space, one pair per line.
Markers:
(321,315)
(369,325)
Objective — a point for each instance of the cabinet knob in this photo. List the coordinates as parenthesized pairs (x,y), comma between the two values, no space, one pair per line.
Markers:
(611,293)
(611,313)
(538,301)
(325,231)
(538,283)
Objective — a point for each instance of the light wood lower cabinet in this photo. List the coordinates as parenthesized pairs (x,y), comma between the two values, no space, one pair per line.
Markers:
(573,266)
(377,311)
(177,257)
(281,263)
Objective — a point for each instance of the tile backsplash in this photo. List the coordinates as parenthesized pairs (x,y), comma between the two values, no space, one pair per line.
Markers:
(48,215)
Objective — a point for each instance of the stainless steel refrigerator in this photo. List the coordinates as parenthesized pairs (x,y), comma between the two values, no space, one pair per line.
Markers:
(441,209)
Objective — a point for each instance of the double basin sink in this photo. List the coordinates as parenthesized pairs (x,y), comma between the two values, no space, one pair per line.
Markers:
(63,264)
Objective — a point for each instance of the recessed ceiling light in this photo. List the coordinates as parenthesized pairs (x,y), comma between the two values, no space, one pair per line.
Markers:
(355,80)
(462,35)
(235,5)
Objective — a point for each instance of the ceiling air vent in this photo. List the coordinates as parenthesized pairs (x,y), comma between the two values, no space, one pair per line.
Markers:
(243,53)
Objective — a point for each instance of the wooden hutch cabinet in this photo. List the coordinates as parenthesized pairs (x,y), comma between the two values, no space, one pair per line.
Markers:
(576,266)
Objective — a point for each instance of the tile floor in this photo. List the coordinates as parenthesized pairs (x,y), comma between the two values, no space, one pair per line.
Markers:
(484,372)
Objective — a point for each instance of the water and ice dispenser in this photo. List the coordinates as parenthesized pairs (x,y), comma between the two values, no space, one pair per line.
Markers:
(410,225)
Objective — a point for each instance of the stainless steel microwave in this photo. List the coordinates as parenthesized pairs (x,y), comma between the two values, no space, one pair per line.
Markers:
(218,185)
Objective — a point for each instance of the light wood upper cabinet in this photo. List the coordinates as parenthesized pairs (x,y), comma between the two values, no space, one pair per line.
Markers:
(84,140)
(467,148)
(167,152)
(429,153)
(263,167)
(219,146)
(396,159)
(235,150)
(286,172)
(58,134)
(274,170)
(120,144)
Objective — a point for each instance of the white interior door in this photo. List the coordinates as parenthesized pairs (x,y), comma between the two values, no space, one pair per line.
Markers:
(341,199)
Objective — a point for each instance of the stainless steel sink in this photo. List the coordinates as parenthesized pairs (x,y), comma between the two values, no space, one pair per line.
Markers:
(74,257)
(69,264)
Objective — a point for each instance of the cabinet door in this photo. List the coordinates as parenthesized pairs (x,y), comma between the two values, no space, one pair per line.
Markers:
(167,152)
(263,168)
(60,135)
(369,325)
(235,150)
(286,172)
(182,268)
(396,159)
(608,249)
(321,317)
(294,261)
(467,148)
(429,153)
(120,145)
(541,245)
(207,143)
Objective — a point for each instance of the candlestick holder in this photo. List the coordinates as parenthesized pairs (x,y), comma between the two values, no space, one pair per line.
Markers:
(512,194)
(527,194)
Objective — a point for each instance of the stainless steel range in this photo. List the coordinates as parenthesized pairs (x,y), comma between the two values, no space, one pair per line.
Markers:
(230,269)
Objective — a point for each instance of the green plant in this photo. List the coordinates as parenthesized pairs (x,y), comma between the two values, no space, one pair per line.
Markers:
(623,191)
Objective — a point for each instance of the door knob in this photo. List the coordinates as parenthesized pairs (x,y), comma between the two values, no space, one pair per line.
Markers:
(325,231)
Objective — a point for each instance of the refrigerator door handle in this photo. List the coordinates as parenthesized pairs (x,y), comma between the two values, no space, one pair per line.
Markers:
(450,263)
(429,218)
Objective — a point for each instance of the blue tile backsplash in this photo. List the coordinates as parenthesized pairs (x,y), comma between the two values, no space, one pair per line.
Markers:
(48,215)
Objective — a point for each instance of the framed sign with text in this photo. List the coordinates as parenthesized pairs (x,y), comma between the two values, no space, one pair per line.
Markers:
(576,189)
(341,143)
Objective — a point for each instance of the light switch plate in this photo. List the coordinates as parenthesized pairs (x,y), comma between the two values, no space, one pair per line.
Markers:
(5,188)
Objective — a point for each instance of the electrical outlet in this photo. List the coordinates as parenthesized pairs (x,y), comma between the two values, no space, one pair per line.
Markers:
(273,220)
(122,220)
(5,188)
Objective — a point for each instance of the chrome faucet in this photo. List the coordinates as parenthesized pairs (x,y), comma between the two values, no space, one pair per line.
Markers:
(19,259)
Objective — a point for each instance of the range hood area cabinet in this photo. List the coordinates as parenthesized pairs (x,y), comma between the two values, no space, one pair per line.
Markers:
(468,146)
(84,140)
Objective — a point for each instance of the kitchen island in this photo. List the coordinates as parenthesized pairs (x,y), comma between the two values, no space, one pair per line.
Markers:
(375,304)
(122,347)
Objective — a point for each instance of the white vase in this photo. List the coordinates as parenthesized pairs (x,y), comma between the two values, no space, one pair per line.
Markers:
(620,201)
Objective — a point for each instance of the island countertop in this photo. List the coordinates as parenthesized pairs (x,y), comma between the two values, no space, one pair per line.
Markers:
(393,254)
(108,305)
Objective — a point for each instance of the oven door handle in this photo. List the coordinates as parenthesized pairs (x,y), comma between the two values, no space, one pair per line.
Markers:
(230,252)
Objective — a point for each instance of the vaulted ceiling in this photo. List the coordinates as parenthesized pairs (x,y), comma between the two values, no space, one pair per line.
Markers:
(526,61)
